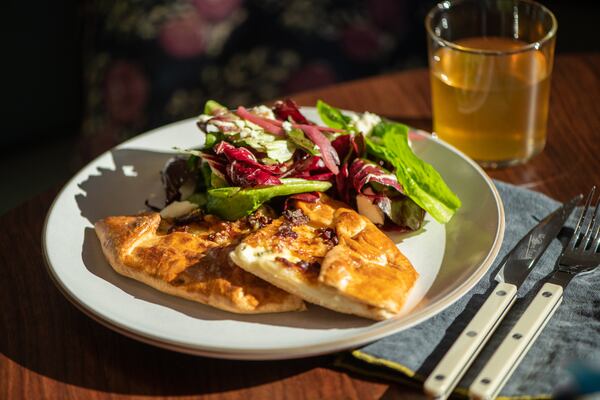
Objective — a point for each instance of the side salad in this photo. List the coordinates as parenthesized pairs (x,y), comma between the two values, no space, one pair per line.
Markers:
(262,156)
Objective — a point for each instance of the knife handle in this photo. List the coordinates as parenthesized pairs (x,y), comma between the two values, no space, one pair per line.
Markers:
(461,355)
(515,345)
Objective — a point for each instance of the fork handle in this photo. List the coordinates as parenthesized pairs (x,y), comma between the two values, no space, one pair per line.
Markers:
(467,346)
(515,345)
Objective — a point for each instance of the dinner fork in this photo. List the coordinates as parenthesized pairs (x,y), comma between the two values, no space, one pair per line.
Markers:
(581,255)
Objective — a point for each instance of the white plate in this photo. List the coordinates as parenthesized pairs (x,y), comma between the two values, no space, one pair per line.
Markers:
(450,259)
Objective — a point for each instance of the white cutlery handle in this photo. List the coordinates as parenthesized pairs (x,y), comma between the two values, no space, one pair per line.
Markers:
(507,357)
(457,360)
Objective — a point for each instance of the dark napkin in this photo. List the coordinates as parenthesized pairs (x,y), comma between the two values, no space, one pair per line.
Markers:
(572,334)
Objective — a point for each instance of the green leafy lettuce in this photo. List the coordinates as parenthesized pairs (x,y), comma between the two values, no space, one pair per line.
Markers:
(212,107)
(332,117)
(421,182)
(279,150)
(233,202)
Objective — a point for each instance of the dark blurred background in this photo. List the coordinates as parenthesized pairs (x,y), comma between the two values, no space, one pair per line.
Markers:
(84,76)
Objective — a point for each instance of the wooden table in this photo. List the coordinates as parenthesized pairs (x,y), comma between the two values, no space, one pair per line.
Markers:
(50,350)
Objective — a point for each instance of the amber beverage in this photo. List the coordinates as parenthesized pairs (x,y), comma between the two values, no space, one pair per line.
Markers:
(490,90)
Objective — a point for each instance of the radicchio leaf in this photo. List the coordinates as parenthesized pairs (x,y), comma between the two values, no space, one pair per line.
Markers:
(174,174)
(364,171)
(309,197)
(287,110)
(328,154)
(245,175)
(244,155)
(342,146)
(400,209)
(243,169)
(349,146)
(309,167)
(217,164)
(342,183)
(358,144)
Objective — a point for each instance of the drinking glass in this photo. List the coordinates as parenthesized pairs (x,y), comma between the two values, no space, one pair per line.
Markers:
(490,65)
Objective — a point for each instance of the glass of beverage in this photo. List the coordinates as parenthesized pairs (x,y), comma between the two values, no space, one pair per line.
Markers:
(490,64)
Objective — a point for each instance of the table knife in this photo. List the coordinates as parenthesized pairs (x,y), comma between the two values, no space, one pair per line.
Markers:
(515,268)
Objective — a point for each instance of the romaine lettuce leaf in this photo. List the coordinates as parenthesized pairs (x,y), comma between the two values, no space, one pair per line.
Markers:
(232,203)
(209,140)
(331,116)
(199,198)
(280,150)
(216,181)
(421,182)
(212,107)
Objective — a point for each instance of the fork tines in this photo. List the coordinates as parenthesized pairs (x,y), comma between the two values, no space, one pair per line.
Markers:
(586,237)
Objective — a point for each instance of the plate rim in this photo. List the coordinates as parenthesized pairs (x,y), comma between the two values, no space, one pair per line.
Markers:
(385,328)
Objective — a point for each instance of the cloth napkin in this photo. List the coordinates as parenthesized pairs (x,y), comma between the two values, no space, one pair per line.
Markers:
(572,335)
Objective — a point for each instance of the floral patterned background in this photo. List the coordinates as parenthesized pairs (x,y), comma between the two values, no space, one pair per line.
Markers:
(150,62)
(83,75)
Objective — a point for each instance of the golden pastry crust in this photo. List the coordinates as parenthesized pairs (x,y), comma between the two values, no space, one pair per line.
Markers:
(359,270)
(191,261)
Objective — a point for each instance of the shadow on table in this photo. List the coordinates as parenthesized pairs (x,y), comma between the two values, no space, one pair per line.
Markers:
(42,334)
(122,191)
(84,354)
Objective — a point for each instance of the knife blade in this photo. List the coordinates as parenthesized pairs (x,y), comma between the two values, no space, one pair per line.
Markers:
(524,256)
(515,268)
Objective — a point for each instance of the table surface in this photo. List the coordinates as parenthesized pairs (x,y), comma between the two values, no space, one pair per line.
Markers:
(49,349)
